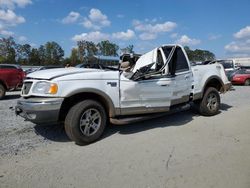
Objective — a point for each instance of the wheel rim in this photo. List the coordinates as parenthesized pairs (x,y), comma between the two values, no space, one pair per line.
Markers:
(90,122)
(212,102)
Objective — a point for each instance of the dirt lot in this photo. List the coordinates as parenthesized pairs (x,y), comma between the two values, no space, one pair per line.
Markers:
(180,150)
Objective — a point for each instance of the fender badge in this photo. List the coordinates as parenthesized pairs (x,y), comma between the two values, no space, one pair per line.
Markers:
(112,84)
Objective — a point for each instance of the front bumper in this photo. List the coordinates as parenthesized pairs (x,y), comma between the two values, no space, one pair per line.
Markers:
(39,110)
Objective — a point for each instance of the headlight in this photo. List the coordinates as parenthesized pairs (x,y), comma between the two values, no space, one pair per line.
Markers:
(45,88)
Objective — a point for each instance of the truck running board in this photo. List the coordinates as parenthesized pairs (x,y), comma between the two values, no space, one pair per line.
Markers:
(123,120)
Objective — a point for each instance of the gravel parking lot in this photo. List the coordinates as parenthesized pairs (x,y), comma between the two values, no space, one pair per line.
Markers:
(179,150)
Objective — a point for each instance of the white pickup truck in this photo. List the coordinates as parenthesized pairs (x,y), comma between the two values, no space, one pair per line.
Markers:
(87,99)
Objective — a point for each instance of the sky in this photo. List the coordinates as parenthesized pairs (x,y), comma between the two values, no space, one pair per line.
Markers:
(222,27)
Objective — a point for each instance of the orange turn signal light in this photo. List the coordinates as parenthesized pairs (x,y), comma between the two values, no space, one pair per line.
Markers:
(53,89)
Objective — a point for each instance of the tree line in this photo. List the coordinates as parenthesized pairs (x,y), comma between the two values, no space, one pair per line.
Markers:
(199,55)
(51,53)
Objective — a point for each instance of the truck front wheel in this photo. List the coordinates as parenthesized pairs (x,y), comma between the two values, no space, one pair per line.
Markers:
(85,122)
(2,91)
(210,103)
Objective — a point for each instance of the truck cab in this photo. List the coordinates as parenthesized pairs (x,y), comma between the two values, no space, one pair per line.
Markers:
(161,78)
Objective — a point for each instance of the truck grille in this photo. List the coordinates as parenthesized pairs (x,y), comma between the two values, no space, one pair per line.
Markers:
(26,87)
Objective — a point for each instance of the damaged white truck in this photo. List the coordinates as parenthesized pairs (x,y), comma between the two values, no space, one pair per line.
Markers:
(85,100)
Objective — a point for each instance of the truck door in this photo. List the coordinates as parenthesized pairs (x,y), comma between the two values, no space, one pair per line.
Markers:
(156,93)
(150,93)
(183,78)
(130,101)
(145,96)
(157,88)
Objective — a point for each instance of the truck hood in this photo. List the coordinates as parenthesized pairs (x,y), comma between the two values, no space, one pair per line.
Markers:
(60,72)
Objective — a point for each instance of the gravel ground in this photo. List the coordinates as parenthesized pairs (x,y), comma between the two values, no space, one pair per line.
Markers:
(179,150)
(18,136)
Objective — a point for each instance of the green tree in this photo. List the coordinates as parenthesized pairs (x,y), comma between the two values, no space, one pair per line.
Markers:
(86,49)
(127,50)
(107,48)
(81,50)
(41,54)
(34,58)
(199,55)
(7,50)
(53,53)
(74,57)
(66,61)
(23,53)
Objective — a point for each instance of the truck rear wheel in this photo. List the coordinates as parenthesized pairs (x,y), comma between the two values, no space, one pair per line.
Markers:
(85,122)
(210,103)
(2,91)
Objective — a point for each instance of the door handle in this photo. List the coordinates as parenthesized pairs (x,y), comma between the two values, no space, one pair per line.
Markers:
(187,77)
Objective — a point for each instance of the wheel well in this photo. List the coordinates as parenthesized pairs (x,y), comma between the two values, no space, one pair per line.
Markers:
(74,99)
(215,83)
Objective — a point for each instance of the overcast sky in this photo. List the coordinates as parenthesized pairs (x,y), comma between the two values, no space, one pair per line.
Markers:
(222,27)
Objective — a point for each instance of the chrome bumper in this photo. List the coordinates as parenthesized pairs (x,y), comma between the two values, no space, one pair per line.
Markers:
(39,110)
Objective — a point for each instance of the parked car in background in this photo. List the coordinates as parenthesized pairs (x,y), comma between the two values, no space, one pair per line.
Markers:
(230,74)
(241,61)
(234,64)
(242,76)
(228,64)
(11,77)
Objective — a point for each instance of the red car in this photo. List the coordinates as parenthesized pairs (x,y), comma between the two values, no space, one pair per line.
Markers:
(11,77)
(242,76)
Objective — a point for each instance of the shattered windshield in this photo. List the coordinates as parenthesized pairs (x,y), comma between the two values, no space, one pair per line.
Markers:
(143,71)
(153,62)
(145,60)
(153,57)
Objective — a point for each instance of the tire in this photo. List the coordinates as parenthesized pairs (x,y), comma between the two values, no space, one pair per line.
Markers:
(2,91)
(210,103)
(247,82)
(85,122)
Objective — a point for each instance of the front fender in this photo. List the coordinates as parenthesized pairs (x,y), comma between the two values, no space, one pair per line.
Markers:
(113,111)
